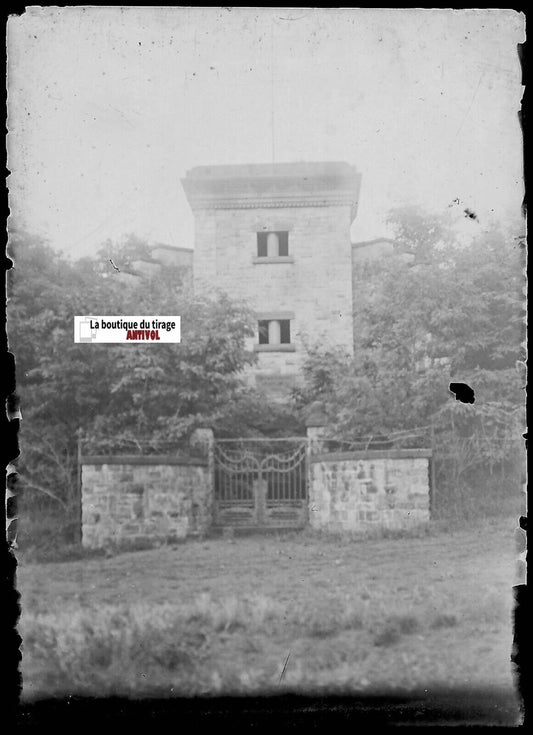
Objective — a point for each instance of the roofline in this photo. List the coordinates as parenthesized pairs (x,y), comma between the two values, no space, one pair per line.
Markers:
(177,248)
(273,186)
(270,170)
(366,243)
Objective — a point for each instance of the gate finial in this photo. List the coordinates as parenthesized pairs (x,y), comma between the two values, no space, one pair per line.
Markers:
(202,437)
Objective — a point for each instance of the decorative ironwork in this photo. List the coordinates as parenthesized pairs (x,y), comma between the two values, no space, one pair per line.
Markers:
(418,438)
(261,483)
(136,445)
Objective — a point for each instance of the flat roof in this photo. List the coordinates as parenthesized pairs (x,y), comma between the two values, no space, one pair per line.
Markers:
(251,185)
(262,170)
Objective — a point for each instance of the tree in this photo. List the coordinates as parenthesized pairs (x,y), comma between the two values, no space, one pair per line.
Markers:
(112,392)
(168,390)
(436,311)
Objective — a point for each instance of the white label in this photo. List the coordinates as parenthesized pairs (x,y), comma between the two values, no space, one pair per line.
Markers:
(127,329)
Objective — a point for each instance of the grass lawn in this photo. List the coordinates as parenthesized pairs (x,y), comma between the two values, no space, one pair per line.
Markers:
(268,614)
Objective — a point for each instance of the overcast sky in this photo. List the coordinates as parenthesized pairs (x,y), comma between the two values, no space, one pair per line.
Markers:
(108,108)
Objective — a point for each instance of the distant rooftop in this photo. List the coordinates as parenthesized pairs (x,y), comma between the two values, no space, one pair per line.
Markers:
(375,241)
(171,248)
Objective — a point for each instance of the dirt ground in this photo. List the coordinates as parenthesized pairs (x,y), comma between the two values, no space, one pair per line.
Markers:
(292,611)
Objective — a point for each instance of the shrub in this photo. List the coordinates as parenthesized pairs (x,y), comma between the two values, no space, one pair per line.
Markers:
(388,636)
(444,621)
(392,629)
(112,648)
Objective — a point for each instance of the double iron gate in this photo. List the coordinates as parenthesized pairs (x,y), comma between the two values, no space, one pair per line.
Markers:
(261,483)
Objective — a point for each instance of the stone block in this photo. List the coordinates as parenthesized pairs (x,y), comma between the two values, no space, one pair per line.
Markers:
(88,471)
(154,473)
(98,487)
(131,528)
(133,488)
(138,509)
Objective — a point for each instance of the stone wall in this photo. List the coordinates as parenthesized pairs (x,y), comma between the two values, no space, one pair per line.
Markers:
(316,286)
(131,499)
(312,286)
(351,491)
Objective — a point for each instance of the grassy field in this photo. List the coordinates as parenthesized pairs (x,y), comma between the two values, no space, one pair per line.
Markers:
(292,612)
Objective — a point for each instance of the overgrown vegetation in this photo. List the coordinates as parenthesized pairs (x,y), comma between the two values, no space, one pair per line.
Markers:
(123,649)
(217,618)
(436,311)
(112,394)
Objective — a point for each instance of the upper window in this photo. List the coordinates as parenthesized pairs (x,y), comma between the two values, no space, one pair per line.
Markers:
(274,331)
(272,244)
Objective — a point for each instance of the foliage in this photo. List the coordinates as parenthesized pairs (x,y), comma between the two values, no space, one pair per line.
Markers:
(170,390)
(118,391)
(129,623)
(437,310)
(250,415)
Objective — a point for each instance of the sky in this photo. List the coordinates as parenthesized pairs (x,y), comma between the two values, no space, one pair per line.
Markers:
(108,107)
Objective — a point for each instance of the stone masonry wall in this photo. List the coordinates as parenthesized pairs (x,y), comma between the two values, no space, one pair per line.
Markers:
(355,490)
(316,287)
(144,499)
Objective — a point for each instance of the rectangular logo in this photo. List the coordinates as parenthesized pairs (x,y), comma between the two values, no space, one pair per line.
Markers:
(127,329)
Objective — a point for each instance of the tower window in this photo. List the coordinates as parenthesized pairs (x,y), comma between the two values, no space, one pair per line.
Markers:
(272,244)
(274,331)
(274,328)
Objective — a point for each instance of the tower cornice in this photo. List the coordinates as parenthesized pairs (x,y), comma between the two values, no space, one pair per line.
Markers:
(273,186)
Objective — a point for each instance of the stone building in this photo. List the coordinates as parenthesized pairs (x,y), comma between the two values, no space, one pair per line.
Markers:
(278,236)
(156,258)
(370,250)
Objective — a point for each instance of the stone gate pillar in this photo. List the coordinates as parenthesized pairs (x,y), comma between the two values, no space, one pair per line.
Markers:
(316,434)
(316,427)
(203,439)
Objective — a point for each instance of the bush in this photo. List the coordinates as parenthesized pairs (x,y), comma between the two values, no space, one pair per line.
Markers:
(481,494)
(444,621)
(95,649)
(46,532)
(392,629)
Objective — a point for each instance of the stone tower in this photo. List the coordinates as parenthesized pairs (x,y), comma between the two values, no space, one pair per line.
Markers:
(278,236)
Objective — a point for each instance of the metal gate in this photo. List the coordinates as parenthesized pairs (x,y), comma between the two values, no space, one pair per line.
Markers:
(261,483)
